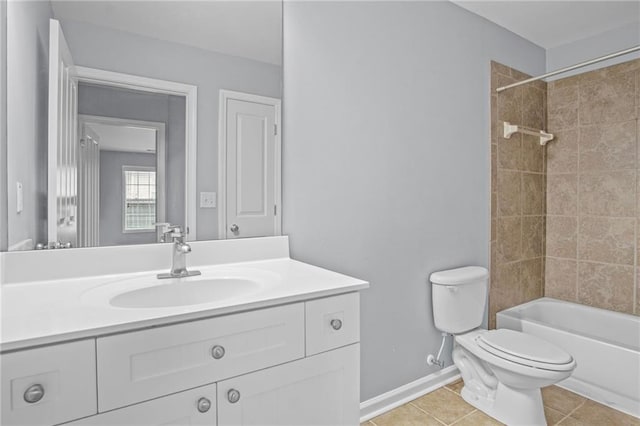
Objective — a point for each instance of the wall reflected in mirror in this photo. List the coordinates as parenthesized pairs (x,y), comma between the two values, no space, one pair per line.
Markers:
(124,165)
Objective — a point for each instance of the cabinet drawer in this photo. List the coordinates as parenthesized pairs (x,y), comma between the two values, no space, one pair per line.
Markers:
(64,375)
(183,408)
(138,366)
(332,322)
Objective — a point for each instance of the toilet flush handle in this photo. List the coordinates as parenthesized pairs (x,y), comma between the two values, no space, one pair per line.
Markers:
(452,288)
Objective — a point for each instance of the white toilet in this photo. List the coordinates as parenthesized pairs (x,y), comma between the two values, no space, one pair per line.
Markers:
(503,370)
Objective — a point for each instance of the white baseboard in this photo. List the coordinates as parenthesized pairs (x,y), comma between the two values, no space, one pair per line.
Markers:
(394,398)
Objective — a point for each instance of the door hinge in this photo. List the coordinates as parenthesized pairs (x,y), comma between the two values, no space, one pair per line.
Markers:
(275,129)
(275,210)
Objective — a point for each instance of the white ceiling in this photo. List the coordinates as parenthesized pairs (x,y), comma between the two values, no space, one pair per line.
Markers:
(124,138)
(249,29)
(553,23)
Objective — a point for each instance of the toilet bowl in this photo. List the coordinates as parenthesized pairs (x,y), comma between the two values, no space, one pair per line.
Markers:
(503,370)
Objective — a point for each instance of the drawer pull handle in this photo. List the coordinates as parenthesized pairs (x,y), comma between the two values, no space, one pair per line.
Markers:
(336,324)
(233,396)
(203,405)
(217,352)
(34,394)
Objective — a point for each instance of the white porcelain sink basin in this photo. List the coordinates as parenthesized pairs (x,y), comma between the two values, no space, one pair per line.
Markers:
(186,293)
(216,285)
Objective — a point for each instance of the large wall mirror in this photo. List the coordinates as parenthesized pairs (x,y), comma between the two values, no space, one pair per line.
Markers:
(125,114)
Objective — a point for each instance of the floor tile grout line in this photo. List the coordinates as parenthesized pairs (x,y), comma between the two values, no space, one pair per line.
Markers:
(426,412)
(571,412)
(466,415)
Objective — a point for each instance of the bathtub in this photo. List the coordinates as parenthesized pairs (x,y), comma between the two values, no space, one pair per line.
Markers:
(605,344)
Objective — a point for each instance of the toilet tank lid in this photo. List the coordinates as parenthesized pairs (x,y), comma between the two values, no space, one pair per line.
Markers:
(458,276)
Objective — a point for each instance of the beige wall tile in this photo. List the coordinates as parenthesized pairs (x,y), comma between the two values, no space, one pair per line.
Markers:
(606,286)
(560,279)
(562,236)
(497,67)
(509,203)
(532,154)
(531,279)
(532,236)
(608,100)
(562,193)
(562,107)
(532,194)
(510,104)
(562,152)
(608,240)
(533,107)
(510,153)
(494,167)
(608,147)
(608,193)
(509,239)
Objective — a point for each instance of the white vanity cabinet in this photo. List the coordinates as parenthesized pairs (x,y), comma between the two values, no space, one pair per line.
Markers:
(293,364)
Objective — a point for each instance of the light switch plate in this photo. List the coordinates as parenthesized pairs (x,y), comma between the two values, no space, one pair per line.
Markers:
(207,200)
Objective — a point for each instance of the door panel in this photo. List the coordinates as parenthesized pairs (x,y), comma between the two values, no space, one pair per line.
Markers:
(251,169)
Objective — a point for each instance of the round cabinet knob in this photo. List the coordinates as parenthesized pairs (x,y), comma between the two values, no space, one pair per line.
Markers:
(217,352)
(34,394)
(234,228)
(233,396)
(336,324)
(204,405)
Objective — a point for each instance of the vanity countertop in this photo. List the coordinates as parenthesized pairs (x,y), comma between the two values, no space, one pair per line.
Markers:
(45,312)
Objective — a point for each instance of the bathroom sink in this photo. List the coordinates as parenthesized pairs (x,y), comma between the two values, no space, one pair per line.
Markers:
(186,293)
(215,286)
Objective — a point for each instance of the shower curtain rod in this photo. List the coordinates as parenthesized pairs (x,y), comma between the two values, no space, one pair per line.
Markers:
(571,68)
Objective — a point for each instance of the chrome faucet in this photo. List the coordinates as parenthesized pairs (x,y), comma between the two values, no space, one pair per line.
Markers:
(180,249)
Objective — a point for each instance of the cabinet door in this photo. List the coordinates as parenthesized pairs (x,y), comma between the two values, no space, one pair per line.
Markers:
(196,407)
(320,390)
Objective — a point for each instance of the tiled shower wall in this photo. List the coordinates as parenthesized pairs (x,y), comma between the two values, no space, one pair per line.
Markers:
(517,193)
(592,188)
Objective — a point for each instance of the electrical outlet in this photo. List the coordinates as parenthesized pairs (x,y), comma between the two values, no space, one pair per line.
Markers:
(207,200)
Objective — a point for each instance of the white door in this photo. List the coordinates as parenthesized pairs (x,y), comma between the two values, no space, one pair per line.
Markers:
(250,157)
(320,390)
(62,186)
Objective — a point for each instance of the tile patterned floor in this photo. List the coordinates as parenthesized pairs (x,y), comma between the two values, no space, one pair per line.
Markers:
(445,406)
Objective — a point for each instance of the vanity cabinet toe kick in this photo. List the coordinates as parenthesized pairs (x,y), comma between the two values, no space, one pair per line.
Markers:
(291,364)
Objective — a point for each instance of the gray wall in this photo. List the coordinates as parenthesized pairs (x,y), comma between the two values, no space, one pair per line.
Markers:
(106,49)
(27,95)
(386,158)
(111,202)
(592,47)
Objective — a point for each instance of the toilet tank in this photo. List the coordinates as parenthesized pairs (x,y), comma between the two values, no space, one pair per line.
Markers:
(459,298)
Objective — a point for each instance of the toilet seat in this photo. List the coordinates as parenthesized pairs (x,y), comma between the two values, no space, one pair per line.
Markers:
(525,349)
